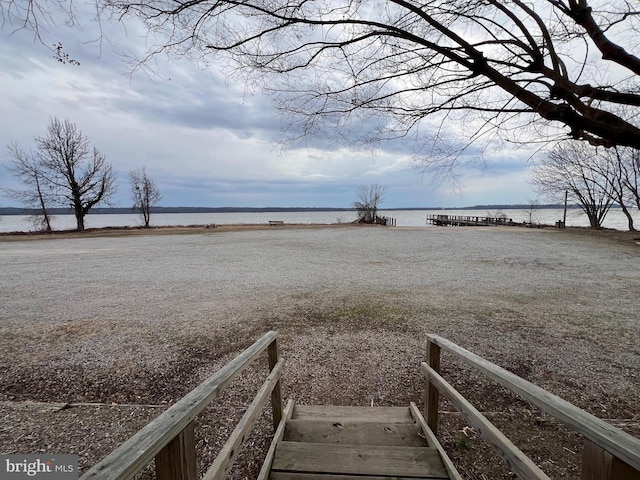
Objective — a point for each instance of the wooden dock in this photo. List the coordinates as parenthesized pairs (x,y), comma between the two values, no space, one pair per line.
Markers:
(466,221)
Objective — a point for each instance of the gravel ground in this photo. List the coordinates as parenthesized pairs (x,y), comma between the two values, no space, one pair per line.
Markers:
(98,334)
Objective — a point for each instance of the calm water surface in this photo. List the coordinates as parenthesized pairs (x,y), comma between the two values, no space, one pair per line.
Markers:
(404,218)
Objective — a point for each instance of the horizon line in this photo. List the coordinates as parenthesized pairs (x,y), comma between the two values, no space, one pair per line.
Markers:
(188,209)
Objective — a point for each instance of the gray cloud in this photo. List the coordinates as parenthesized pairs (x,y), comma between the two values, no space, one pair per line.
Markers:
(205,139)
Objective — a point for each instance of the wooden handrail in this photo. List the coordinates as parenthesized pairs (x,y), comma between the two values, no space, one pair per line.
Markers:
(224,461)
(618,443)
(432,441)
(518,462)
(135,453)
(277,437)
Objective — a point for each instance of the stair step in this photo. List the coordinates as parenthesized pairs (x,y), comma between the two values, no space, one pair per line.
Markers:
(353,414)
(321,476)
(354,433)
(323,458)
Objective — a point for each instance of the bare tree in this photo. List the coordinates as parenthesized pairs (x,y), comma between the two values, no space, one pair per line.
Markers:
(532,206)
(369,197)
(621,177)
(576,168)
(76,175)
(617,167)
(551,66)
(630,160)
(25,167)
(145,193)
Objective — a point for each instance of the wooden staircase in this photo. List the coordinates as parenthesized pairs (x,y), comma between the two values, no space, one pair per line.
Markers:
(364,443)
(358,443)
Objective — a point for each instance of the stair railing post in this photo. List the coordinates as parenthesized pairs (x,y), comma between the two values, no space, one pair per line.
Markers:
(598,464)
(276,395)
(177,460)
(431,392)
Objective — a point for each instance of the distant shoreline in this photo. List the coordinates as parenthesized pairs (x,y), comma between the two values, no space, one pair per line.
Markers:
(128,210)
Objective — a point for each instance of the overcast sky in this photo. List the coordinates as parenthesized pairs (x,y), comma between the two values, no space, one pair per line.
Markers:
(205,140)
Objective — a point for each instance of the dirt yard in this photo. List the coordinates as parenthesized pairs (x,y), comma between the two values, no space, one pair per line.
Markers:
(100,332)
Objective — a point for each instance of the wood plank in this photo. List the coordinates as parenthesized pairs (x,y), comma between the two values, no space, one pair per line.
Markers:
(621,444)
(277,437)
(354,433)
(134,454)
(358,459)
(320,476)
(518,462)
(352,414)
(432,441)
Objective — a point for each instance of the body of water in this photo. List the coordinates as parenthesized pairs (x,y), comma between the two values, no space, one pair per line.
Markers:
(405,218)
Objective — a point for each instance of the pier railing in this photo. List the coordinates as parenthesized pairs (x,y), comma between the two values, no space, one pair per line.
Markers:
(170,438)
(386,221)
(467,221)
(609,453)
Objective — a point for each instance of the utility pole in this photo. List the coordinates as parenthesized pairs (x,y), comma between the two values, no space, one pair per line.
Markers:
(564,218)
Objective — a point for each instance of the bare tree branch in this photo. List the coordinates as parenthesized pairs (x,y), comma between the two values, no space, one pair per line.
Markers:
(406,64)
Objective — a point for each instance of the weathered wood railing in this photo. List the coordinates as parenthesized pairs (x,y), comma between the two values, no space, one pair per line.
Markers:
(170,438)
(609,453)
(466,221)
(386,221)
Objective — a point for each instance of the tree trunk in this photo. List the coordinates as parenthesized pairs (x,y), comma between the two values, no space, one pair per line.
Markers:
(47,221)
(45,214)
(79,220)
(627,214)
(592,215)
(146,214)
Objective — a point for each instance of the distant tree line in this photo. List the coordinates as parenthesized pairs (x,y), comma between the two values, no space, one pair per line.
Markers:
(64,171)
